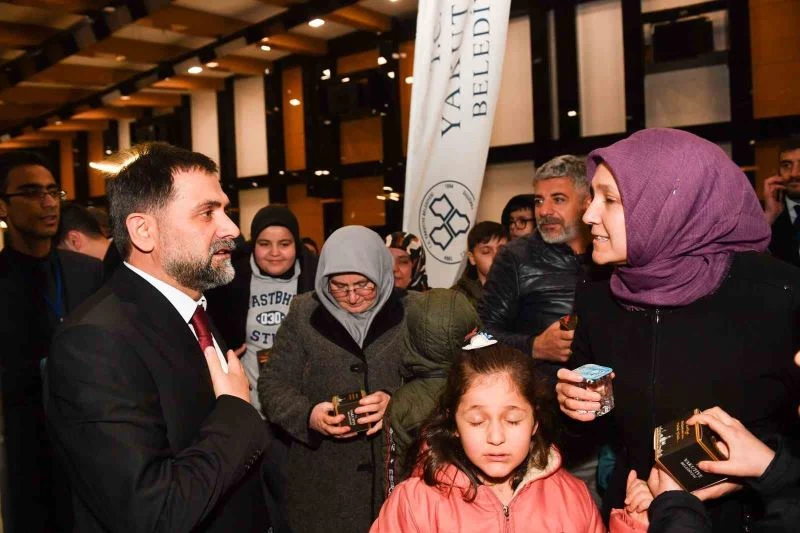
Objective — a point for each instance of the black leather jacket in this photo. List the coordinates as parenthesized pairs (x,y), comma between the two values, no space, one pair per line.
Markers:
(530,286)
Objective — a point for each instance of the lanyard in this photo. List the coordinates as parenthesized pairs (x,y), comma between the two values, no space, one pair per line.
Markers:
(57,306)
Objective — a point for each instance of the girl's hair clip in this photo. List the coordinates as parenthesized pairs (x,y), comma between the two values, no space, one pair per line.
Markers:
(482,339)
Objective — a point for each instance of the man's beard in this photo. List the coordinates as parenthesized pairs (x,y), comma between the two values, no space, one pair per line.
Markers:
(201,274)
(793,193)
(566,234)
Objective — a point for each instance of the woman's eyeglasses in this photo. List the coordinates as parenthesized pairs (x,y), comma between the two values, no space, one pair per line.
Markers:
(362,288)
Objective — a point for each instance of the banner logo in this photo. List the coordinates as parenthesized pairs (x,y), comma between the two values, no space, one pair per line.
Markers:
(444,220)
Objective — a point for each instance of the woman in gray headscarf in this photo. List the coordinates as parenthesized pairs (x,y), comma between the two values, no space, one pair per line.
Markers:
(344,337)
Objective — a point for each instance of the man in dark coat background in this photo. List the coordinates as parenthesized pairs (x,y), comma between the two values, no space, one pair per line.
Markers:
(39,286)
(152,421)
(782,204)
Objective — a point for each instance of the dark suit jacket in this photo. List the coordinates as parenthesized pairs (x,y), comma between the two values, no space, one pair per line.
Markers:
(33,499)
(131,407)
(784,244)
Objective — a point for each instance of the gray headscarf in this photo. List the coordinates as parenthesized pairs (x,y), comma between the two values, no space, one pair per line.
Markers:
(359,250)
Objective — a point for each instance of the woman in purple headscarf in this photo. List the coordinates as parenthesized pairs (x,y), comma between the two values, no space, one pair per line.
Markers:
(695,314)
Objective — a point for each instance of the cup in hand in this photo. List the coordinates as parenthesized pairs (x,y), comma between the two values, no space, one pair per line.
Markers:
(597,378)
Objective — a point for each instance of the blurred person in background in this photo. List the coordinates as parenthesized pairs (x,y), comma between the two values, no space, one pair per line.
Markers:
(517,216)
(409,261)
(484,241)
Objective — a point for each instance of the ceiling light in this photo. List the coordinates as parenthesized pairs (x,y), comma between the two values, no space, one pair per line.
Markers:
(58,123)
(212,64)
(266,47)
(345,79)
(326,74)
(120,58)
(409,80)
(381,197)
(294,101)
(109,152)
(387,188)
(381,60)
(195,70)
(3,224)
(316,23)
(572,113)
(124,97)
(266,70)
(390,74)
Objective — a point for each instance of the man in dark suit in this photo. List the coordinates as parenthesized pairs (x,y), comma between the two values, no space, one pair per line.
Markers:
(154,423)
(39,285)
(80,232)
(782,204)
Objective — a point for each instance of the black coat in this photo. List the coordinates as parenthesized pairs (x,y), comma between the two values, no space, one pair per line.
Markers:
(133,413)
(733,348)
(335,485)
(228,305)
(531,285)
(26,328)
(784,244)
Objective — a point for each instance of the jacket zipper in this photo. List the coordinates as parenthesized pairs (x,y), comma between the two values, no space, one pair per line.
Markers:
(654,354)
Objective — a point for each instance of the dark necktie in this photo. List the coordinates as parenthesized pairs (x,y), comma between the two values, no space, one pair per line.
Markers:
(202,327)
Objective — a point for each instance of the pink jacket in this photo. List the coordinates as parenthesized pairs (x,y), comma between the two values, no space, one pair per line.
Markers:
(549,500)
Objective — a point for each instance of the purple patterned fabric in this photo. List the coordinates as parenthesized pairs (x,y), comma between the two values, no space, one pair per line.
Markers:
(688,208)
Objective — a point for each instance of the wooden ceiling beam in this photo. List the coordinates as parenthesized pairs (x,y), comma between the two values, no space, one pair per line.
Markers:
(133,51)
(108,113)
(281,3)
(65,6)
(38,94)
(243,65)
(148,99)
(193,22)
(21,112)
(34,136)
(297,44)
(17,35)
(192,83)
(77,125)
(83,75)
(361,18)
(21,145)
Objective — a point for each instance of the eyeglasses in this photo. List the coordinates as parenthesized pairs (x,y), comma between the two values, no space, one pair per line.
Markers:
(38,194)
(362,288)
(520,222)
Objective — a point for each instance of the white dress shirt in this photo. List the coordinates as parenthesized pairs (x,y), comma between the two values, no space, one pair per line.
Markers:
(183,303)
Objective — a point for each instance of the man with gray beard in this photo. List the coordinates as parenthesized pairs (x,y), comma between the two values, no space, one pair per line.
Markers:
(532,282)
(152,420)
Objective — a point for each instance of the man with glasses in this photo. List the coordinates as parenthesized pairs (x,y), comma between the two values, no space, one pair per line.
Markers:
(39,285)
(517,216)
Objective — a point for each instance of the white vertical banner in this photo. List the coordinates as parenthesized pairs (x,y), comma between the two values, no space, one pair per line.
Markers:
(458,61)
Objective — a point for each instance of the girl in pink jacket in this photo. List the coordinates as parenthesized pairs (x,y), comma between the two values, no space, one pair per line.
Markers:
(488,462)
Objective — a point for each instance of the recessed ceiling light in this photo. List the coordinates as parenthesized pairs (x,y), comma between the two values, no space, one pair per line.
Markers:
(345,79)
(326,74)
(212,64)
(195,70)
(266,47)
(294,101)
(390,74)
(120,58)
(572,113)
(316,23)
(108,152)
(58,123)
(266,70)
(409,80)
(124,97)
(381,60)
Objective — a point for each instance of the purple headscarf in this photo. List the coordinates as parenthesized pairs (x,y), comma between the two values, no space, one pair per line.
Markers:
(687,207)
